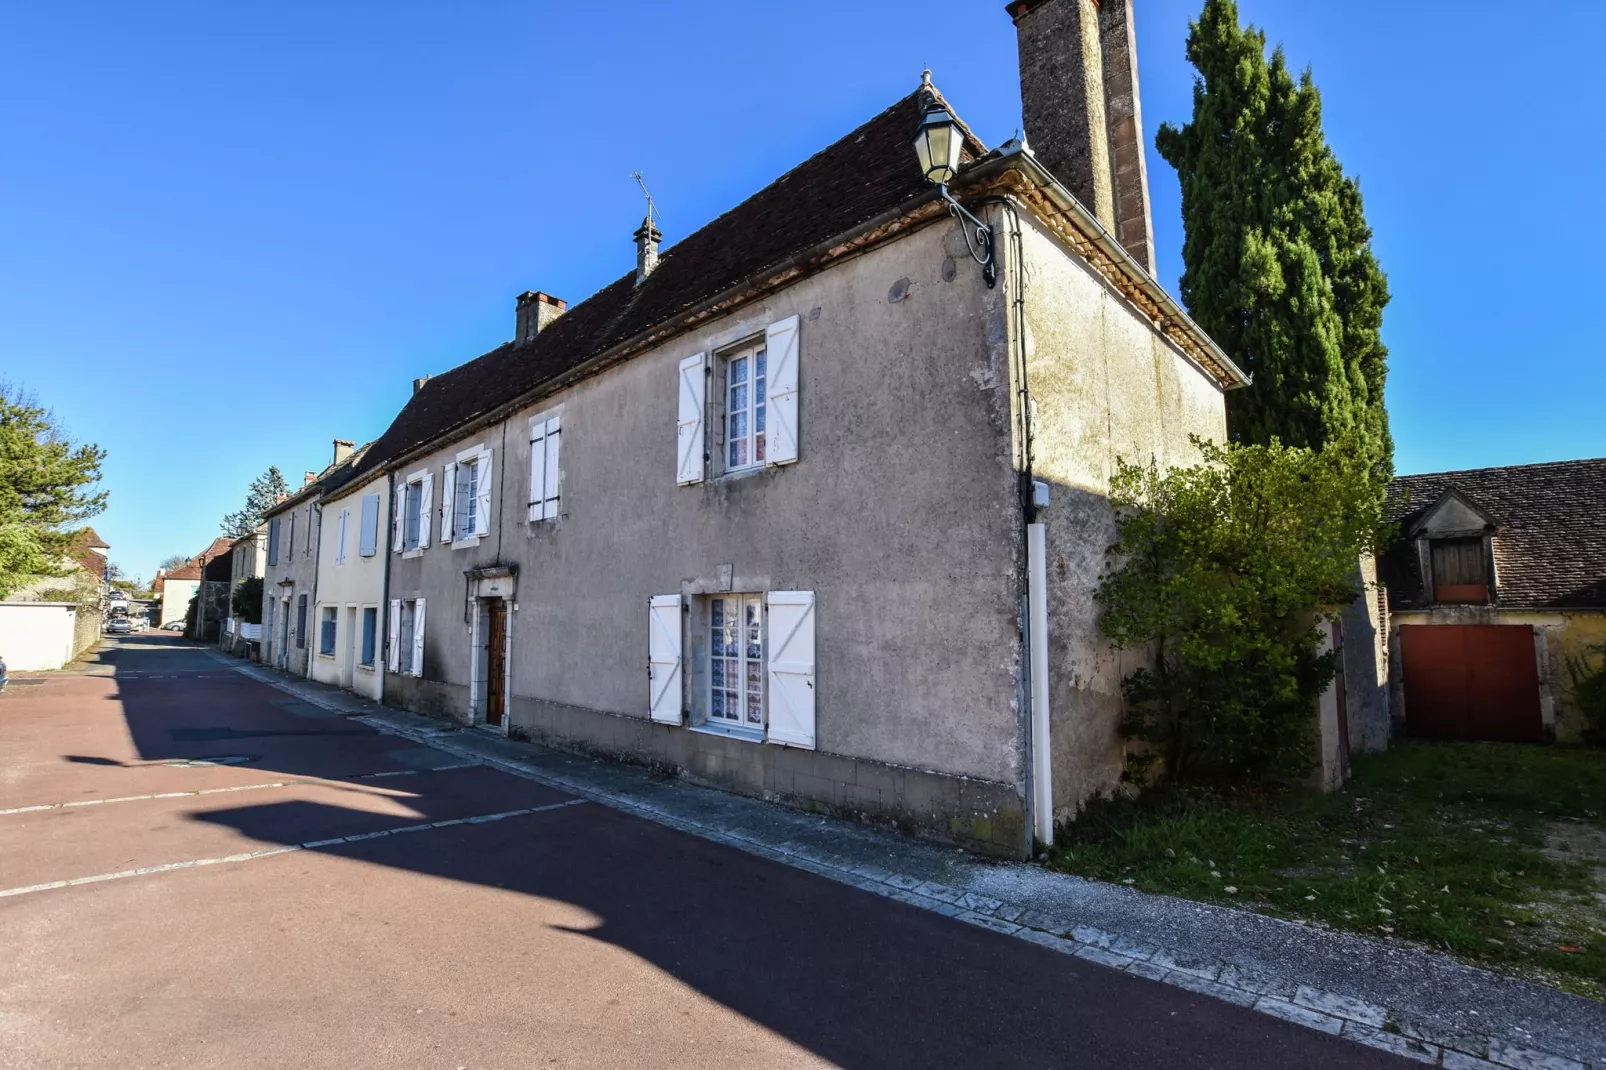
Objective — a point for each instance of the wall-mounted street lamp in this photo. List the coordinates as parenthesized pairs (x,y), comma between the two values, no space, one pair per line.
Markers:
(937,144)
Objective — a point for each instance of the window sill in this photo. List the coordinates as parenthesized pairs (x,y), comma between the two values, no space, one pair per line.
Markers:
(746,735)
(732,475)
(417,551)
(466,544)
(366,668)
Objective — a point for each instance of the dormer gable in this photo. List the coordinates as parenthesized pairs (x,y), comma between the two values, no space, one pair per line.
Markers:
(1453,515)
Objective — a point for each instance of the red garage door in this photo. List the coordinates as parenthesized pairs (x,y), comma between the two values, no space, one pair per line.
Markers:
(1471,681)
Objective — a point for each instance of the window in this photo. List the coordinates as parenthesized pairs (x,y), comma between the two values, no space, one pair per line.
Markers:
(301,621)
(326,631)
(370,634)
(745,382)
(340,537)
(368,535)
(411,531)
(290,550)
(736,661)
(1460,570)
(273,541)
(545,437)
(753,390)
(466,493)
(406,654)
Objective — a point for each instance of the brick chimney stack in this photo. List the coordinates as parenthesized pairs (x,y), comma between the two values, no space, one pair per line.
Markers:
(1082,109)
(535,313)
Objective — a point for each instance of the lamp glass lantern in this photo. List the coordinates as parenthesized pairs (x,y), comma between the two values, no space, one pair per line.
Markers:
(937,144)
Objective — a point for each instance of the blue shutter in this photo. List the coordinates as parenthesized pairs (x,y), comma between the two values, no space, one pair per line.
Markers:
(301,619)
(368,544)
(273,541)
(370,627)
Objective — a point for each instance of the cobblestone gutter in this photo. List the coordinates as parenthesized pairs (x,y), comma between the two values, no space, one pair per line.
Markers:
(1421,1006)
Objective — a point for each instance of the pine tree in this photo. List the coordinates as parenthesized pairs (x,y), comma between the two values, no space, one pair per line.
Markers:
(1278,264)
(265,491)
(44,489)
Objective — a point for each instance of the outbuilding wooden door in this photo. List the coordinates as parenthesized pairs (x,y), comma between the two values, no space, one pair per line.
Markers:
(1471,681)
(495,660)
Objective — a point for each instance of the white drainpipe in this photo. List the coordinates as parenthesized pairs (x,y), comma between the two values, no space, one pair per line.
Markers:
(1037,631)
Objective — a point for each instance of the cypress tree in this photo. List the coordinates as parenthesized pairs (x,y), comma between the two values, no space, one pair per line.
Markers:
(1278,264)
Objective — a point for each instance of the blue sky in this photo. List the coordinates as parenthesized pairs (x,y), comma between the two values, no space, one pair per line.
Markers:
(231,234)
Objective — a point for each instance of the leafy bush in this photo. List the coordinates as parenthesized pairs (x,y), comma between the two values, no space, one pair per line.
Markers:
(247,600)
(1588,672)
(1225,569)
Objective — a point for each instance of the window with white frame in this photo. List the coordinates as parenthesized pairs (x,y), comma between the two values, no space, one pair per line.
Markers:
(740,407)
(413,507)
(466,493)
(745,382)
(736,661)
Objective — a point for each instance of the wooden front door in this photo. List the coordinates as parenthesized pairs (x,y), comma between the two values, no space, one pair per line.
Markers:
(495,660)
(1471,681)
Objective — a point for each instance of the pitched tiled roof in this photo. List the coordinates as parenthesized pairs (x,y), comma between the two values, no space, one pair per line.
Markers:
(1550,537)
(327,482)
(866,174)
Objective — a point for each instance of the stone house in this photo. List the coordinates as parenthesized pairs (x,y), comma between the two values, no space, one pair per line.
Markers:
(1496,581)
(290,565)
(247,560)
(812,505)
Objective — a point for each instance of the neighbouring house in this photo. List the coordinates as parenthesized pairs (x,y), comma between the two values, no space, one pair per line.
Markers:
(1497,577)
(349,607)
(82,582)
(247,560)
(175,588)
(813,504)
(290,565)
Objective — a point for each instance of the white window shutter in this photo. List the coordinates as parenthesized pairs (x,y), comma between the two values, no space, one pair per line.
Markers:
(426,506)
(663,658)
(418,638)
(398,506)
(448,499)
(340,546)
(537,467)
(485,481)
(791,667)
(689,444)
(549,488)
(368,537)
(392,648)
(781,429)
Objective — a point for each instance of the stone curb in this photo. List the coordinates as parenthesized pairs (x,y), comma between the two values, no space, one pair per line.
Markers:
(1392,1030)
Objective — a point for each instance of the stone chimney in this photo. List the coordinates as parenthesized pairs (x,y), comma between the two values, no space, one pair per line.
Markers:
(1082,110)
(647,239)
(536,311)
(343,449)
(418,384)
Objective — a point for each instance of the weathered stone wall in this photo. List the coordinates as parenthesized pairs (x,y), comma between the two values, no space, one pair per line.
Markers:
(1063,98)
(1103,384)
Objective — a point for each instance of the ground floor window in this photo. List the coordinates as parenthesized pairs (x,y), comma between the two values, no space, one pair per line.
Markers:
(370,634)
(736,660)
(326,631)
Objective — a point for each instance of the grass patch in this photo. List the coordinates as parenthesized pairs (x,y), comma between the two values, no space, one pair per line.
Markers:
(1453,846)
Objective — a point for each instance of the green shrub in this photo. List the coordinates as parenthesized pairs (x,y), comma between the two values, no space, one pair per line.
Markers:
(1588,672)
(1225,569)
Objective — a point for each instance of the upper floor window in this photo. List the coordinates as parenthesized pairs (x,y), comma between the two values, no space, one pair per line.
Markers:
(1460,570)
(546,437)
(466,509)
(411,529)
(744,407)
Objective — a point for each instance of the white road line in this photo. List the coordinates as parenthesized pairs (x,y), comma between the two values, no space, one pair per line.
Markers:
(266,852)
(298,782)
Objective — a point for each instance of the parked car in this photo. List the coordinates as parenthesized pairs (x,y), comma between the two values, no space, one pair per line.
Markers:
(2,676)
(119,626)
(173,626)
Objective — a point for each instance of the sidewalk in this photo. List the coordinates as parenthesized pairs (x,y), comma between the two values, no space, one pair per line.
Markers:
(1420,1005)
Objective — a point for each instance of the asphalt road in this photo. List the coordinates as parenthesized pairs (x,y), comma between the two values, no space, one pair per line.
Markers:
(552,932)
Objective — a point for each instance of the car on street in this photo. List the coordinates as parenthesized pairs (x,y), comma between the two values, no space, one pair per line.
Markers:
(2,676)
(119,626)
(173,626)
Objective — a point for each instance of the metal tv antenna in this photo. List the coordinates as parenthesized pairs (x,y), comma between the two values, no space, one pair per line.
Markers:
(652,208)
